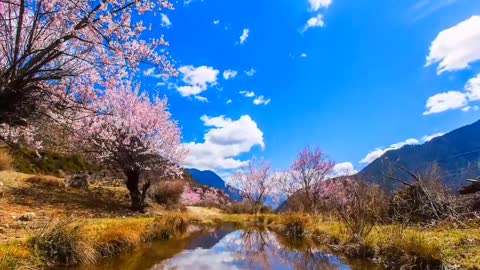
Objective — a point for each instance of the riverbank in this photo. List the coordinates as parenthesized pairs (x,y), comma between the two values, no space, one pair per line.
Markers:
(44,223)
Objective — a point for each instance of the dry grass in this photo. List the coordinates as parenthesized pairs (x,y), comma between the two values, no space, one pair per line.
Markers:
(17,256)
(6,161)
(45,181)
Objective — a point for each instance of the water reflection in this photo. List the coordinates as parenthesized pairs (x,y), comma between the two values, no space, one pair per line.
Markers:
(228,249)
(255,250)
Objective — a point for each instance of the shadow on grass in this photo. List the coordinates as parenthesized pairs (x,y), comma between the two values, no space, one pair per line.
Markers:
(98,200)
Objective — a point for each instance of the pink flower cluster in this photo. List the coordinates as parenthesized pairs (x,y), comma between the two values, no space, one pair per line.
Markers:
(203,195)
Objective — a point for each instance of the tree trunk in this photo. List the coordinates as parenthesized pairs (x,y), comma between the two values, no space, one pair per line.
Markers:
(138,200)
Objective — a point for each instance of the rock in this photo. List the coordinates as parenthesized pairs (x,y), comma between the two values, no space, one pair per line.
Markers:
(79,181)
(27,217)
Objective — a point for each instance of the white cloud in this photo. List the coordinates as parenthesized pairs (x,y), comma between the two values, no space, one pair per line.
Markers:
(197,79)
(445,101)
(455,99)
(229,101)
(466,109)
(247,93)
(201,99)
(342,169)
(428,138)
(380,151)
(149,71)
(189,90)
(303,55)
(425,8)
(225,140)
(229,74)
(475,108)
(250,72)
(244,36)
(261,101)
(316,21)
(457,47)
(165,20)
(315,5)
(216,21)
(473,88)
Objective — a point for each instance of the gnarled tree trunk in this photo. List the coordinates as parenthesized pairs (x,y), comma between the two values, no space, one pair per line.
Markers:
(137,196)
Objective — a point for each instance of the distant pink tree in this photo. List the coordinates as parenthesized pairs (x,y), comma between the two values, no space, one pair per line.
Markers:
(191,196)
(56,54)
(311,168)
(133,133)
(255,183)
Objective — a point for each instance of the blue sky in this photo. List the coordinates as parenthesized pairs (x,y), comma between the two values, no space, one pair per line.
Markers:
(356,78)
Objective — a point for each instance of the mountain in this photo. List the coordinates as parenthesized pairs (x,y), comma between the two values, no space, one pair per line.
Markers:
(211,179)
(457,153)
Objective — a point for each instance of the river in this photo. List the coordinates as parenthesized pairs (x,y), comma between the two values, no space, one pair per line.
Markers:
(229,249)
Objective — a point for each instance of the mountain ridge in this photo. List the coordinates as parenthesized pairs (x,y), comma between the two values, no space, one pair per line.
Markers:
(457,153)
(211,179)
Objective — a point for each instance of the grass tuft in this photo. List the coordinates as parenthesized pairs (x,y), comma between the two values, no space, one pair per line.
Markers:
(62,244)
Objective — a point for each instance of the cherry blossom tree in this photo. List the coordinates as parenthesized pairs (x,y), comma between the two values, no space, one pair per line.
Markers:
(55,54)
(134,133)
(307,172)
(255,183)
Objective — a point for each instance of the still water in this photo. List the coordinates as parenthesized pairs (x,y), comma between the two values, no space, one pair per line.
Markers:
(228,249)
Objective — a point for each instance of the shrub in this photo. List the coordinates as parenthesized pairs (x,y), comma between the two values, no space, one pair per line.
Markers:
(237,208)
(6,161)
(167,193)
(361,206)
(294,226)
(62,244)
(424,200)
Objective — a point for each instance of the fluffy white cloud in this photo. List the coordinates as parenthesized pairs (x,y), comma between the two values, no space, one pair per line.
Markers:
(428,138)
(457,47)
(201,99)
(250,72)
(216,21)
(229,101)
(455,99)
(223,143)
(316,21)
(197,79)
(247,93)
(165,20)
(473,88)
(380,151)
(445,101)
(244,36)
(315,5)
(345,168)
(261,101)
(229,74)
(303,55)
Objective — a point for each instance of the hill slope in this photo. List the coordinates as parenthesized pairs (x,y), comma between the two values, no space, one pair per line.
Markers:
(457,153)
(211,179)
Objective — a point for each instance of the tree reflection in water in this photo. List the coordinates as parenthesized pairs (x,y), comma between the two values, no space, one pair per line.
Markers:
(265,250)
